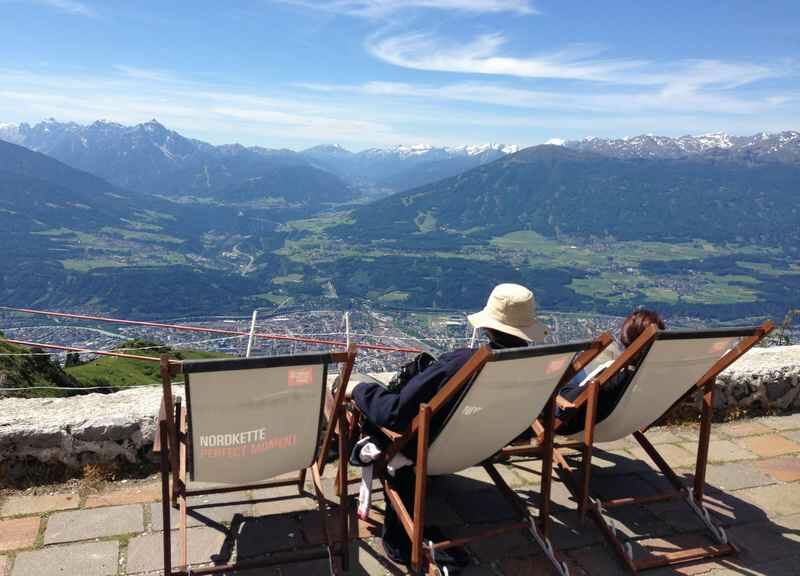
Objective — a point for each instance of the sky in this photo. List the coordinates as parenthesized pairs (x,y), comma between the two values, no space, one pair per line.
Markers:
(364,73)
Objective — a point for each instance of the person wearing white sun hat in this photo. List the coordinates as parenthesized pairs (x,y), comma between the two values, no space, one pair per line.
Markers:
(509,320)
(510,309)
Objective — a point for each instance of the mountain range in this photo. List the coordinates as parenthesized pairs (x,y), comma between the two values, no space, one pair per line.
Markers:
(386,170)
(150,159)
(141,220)
(764,147)
(560,191)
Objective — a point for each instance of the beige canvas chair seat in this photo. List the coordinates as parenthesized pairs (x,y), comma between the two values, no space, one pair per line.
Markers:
(246,421)
(499,403)
(671,366)
(492,399)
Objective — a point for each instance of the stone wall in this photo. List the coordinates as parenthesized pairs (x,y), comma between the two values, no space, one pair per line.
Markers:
(103,428)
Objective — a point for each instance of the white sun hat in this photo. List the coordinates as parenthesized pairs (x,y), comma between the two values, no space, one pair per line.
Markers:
(511,308)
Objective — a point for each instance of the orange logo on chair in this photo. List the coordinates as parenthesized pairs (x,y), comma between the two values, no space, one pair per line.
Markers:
(300,376)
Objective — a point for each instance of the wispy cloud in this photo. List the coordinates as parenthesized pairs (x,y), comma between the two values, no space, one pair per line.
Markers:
(482,55)
(144,73)
(665,101)
(380,8)
(69,6)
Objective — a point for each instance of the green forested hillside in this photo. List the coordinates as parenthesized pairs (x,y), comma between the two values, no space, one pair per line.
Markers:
(556,191)
(20,370)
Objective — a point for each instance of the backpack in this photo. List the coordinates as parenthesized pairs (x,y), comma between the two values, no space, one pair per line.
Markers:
(408,370)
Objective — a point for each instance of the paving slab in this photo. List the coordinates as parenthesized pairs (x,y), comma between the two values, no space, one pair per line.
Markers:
(793,436)
(28,505)
(489,550)
(746,428)
(783,421)
(258,536)
(282,500)
(736,475)
(760,543)
(481,507)
(775,500)
(597,560)
(614,462)
(18,533)
(664,436)
(726,451)
(784,567)
(93,523)
(535,565)
(84,559)
(677,515)
(770,445)
(731,508)
(785,468)
(128,495)
(205,511)
(676,456)
(367,557)
(511,474)
(146,551)
(4,565)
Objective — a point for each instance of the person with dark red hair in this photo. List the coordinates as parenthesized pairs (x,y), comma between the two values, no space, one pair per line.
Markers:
(573,419)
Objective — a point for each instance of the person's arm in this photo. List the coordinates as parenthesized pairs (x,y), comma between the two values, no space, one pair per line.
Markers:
(396,410)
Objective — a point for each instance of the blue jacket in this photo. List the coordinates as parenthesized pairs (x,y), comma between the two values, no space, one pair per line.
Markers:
(396,410)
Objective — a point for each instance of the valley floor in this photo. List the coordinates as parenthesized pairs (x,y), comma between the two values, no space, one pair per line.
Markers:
(753,490)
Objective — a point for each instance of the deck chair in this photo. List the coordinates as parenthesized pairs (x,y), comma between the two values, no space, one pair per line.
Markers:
(247,420)
(494,397)
(672,366)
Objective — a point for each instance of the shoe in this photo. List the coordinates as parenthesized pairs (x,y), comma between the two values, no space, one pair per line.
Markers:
(398,554)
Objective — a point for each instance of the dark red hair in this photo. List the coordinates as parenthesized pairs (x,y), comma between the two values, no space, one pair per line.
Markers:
(635,324)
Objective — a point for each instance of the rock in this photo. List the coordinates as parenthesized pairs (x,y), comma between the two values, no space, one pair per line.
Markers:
(96,428)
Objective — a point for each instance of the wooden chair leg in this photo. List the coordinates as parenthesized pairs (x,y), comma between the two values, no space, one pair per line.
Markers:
(703,442)
(420,484)
(176,451)
(182,488)
(547,466)
(344,509)
(166,497)
(301,481)
(588,442)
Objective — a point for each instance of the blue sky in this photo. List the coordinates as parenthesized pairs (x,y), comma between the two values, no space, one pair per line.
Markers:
(361,73)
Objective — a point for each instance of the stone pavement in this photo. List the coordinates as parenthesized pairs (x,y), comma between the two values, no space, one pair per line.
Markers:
(754,491)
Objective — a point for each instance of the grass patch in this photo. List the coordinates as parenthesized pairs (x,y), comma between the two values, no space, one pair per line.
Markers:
(115,372)
(288,279)
(394,296)
(86,264)
(703,288)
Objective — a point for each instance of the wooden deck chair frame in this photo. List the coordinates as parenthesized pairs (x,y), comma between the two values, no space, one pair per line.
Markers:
(423,554)
(579,484)
(172,443)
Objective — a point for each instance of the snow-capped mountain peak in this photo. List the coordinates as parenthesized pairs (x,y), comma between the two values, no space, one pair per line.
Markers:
(782,147)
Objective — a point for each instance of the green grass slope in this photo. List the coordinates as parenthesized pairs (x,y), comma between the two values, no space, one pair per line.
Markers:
(116,373)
